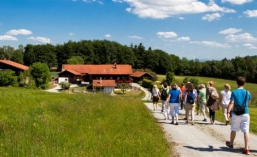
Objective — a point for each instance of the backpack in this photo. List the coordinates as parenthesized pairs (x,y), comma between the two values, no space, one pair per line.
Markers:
(214,94)
(164,94)
(191,98)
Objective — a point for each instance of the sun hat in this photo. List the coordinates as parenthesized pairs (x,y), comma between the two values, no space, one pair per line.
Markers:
(202,85)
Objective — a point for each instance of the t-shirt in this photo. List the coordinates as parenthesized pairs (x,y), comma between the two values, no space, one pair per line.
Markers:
(202,95)
(174,96)
(238,96)
(155,92)
(225,97)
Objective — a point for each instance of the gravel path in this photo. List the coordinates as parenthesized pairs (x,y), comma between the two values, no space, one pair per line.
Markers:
(202,138)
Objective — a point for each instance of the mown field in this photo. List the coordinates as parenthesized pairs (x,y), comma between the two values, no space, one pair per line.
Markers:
(38,123)
(219,84)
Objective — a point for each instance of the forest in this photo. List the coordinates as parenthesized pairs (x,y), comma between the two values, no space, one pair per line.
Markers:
(140,57)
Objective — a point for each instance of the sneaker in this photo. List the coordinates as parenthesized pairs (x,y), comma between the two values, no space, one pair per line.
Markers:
(176,123)
(229,144)
(246,151)
(227,122)
(172,122)
(205,120)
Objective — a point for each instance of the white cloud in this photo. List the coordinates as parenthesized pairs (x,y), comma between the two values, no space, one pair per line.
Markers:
(251,13)
(181,18)
(237,2)
(184,39)
(211,17)
(244,37)
(211,44)
(230,31)
(136,37)
(71,34)
(167,34)
(40,39)
(160,9)
(107,35)
(8,37)
(250,46)
(19,32)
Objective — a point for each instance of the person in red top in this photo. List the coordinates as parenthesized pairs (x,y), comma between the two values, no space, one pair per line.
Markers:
(182,88)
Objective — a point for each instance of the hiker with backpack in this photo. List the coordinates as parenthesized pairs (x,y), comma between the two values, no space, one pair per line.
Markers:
(212,100)
(191,96)
(239,102)
(173,100)
(164,96)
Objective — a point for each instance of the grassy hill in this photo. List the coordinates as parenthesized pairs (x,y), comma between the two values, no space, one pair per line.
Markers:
(37,123)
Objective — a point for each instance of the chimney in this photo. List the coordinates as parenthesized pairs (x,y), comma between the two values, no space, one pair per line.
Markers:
(115,65)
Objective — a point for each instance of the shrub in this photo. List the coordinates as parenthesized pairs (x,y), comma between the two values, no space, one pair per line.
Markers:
(7,78)
(41,74)
(147,83)
(194,81)
(65,85)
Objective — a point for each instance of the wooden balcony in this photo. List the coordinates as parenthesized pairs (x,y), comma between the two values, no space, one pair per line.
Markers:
(124,81)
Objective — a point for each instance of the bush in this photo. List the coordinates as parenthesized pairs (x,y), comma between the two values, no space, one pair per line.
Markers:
(194,81)
(147,83)
(65,85)
(7,78)
(41,74)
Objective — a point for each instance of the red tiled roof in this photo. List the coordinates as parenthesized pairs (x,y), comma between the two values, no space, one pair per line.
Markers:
(104,69)
(14,64)
(104,83)
(72,71)
(138,74)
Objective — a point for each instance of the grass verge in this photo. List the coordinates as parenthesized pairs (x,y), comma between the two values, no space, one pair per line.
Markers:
(37,123)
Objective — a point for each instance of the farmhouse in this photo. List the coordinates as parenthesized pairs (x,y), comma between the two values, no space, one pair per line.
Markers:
(140,75)
(10,65)
(97,74)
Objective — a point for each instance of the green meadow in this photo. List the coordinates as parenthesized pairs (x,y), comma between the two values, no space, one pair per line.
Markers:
(219,84)
(38,123)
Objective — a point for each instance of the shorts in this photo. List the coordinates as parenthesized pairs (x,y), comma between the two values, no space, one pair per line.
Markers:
(240,122)
(174,109)
(155,99)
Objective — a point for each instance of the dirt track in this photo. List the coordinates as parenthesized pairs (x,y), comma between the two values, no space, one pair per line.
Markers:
(202,138)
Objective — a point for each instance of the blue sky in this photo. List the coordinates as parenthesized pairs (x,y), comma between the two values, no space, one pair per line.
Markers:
(203,29)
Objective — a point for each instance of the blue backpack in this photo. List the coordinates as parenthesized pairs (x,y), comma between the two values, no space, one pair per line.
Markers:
(191,98)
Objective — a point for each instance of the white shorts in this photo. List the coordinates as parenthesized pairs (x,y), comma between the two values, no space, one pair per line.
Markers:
(174,109)
(240,123)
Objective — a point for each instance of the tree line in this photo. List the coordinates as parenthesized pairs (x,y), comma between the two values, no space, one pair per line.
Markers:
(109,52)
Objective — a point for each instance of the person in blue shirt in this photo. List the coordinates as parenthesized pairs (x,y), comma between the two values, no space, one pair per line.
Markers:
(173,99)
(239,98)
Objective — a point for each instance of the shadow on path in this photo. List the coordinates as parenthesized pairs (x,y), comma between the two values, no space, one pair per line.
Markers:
(211,149)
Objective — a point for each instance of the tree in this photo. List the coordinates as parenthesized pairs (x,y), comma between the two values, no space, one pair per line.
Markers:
(75,60)
(17,56)
(41,74)
(170,77)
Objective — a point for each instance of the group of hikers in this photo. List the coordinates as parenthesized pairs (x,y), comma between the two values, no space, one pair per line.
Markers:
(234,105)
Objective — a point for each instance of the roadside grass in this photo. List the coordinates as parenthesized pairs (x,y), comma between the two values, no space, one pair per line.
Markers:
(219,83)
(38,123)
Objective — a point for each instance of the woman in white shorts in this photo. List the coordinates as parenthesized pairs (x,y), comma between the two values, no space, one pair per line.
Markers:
(173,99)
(225,99)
